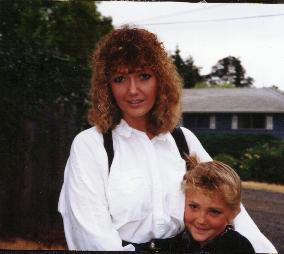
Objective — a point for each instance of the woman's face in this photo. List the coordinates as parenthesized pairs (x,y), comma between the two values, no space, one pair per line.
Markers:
(135,93)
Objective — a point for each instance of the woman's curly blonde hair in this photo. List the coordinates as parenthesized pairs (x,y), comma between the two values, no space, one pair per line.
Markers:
(133,48)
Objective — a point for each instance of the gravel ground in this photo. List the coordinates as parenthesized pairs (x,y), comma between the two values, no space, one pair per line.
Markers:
(267,210)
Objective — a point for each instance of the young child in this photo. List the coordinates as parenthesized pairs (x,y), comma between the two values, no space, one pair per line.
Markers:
(212,200)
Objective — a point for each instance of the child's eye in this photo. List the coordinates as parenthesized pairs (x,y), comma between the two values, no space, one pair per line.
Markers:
(215,212)
(144,76)
(118,79)
(192,206)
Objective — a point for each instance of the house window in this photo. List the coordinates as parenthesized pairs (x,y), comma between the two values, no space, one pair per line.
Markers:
(201,121)
(252,121)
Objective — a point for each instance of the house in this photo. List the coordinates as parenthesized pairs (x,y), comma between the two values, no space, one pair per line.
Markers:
(234,110)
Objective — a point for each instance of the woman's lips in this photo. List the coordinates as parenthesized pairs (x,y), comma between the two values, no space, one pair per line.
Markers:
(135,103)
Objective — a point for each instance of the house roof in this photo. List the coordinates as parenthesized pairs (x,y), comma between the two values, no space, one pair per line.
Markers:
(241,100)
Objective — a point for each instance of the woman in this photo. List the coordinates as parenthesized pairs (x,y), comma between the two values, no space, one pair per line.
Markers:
(138,204)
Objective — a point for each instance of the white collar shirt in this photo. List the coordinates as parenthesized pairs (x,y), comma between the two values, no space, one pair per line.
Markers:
(138,200)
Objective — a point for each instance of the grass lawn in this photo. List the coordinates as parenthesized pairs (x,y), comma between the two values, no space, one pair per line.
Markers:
(263,186)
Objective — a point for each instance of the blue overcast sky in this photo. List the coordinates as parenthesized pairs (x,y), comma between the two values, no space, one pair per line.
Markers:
(208,32)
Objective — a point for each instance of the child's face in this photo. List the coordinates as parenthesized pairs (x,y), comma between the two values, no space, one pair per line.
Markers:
(205,217)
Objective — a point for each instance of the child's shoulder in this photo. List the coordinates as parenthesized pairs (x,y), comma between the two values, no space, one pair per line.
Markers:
(228,242)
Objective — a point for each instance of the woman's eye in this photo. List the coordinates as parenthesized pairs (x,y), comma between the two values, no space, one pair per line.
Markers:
(145,76)
(118,79)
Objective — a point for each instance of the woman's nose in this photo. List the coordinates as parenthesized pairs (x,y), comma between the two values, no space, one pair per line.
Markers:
(132,85)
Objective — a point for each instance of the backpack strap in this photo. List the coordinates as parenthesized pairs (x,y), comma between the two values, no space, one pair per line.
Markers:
(180,141)
(108,144)
(176,133)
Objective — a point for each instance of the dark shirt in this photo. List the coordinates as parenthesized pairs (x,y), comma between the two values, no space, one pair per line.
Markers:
(229,241)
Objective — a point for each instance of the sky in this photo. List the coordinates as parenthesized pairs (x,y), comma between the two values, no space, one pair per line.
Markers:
(209,32)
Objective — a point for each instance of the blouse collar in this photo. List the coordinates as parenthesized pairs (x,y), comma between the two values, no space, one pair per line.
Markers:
(125,130)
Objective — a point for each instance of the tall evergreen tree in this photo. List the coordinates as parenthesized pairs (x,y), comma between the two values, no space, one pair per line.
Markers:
(187,69)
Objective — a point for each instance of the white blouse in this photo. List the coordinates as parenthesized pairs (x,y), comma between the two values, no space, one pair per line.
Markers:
(140,199)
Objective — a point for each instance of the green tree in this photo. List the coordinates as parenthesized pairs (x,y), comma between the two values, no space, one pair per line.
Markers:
(186,68)
(229,70)
(45,47)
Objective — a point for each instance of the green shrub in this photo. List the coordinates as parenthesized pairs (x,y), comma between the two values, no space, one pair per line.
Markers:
(233,144)
(254,157)
(235,163)
(264,163)
(228,159)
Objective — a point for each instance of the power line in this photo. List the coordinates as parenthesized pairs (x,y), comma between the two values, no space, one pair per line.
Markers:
(213,20)
(182,12)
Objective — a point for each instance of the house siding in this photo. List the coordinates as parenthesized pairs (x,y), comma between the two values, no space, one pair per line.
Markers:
(278,121)
(224,124)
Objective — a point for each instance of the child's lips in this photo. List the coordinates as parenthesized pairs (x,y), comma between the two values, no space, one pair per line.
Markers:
(201,229)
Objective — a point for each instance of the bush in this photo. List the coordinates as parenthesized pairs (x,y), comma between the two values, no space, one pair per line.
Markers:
(264,163)
(244,173)
(254,157)
(228,159)
(233,144)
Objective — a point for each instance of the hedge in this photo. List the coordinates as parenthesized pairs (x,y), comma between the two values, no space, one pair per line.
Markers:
(255,157)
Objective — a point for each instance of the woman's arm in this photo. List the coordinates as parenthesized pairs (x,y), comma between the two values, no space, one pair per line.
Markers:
(243,222)
(83,200)
(245,225)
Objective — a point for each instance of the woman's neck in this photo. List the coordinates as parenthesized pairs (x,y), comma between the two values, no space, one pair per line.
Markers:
(139,124)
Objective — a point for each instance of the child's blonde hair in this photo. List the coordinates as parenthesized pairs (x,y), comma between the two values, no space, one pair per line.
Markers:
(213,177)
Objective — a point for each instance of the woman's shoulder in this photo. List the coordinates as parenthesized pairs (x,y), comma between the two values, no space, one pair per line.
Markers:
(188,133)
(88,136)
(189,136)
(195,147)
